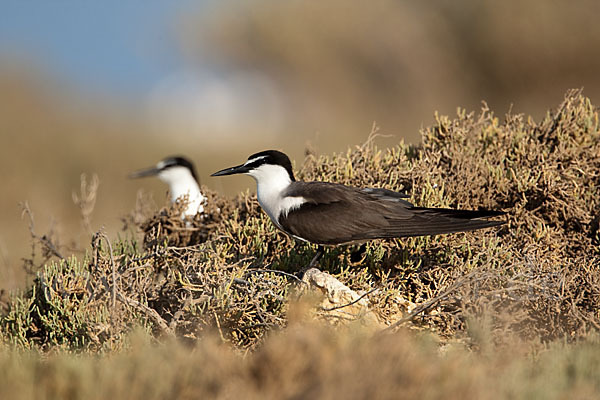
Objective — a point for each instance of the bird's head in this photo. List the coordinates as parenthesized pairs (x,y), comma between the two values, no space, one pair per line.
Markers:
(170,170)
(266,167)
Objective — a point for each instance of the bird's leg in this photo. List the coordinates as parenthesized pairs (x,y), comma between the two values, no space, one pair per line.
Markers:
(316,258)
(312,263)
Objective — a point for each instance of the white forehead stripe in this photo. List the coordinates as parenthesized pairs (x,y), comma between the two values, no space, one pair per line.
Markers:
(254,159)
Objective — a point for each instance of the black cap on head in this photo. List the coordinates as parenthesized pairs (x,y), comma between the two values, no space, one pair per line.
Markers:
(271,157)
(166,163)
(179,161)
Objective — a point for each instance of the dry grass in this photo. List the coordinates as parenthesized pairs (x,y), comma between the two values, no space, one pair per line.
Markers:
(228,278)
(389,61)
(305,362)
(536,277)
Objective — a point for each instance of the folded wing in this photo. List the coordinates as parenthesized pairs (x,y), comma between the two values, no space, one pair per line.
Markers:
(334,214)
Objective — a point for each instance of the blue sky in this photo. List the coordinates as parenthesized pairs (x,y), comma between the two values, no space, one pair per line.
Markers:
(123,47)
(128,50)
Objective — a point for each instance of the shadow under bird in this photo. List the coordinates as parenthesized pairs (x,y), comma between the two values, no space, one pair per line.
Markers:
(180,174)
(331,214)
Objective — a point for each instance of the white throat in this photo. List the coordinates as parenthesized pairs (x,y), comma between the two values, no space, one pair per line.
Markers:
(271,183)
(182,183)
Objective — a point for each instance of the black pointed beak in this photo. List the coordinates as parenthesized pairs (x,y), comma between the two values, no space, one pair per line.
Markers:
(144,172)
(240,169)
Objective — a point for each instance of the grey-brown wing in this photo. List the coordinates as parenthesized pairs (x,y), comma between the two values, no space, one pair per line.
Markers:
(330,224)
(325,192)
(335,214)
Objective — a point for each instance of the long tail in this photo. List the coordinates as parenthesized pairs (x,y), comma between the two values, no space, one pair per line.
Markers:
(434,221)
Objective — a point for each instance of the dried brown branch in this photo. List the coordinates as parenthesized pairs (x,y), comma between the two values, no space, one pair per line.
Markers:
(150,312)
(359,298)
(275,271)
(86,200)
(49,248)
(432,302)
(102,235)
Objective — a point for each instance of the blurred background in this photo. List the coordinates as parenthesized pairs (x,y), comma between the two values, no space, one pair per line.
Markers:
(110,87)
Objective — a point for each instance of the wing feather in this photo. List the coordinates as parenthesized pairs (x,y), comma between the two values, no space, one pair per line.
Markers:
(334,214)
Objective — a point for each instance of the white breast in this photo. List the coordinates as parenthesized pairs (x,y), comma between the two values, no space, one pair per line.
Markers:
(271,183)
(182,183)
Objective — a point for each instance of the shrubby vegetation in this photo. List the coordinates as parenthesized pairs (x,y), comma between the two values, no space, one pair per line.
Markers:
(229,277)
